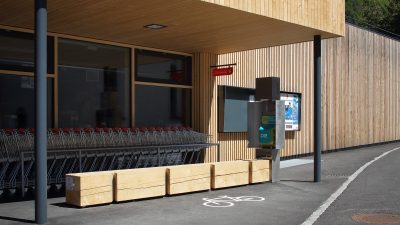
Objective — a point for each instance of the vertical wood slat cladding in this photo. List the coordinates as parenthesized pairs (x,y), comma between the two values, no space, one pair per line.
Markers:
(360,91)
(205,99)
(326,15)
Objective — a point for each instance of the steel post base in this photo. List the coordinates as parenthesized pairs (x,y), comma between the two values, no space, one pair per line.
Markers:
(274,156)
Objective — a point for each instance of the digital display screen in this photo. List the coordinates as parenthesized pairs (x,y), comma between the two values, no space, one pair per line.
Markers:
(292,110)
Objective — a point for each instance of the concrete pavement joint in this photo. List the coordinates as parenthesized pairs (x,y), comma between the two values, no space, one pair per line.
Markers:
(316,214)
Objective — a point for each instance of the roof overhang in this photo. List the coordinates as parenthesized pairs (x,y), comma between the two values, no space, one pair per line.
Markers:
(191,25)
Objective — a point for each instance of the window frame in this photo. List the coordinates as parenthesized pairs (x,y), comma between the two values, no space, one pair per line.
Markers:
(133,81)
(183,88)
(51,78)
(129,75)
(188,65)
(30,36)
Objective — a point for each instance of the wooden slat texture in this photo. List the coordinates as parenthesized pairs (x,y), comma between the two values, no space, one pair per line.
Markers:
(265,62)
(259,171)
(192,25)
(139,183)
(188,178)
(87,189)
(360,93)
(327,15)
(229,174)
(360,83)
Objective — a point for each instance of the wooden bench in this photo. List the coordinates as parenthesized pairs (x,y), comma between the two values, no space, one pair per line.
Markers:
(228,174)
(86,189)
(259,171)
(139,183)
(188,178)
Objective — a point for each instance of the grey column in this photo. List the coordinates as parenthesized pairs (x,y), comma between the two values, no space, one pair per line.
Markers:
(275,165)
(317,109)
(41,111)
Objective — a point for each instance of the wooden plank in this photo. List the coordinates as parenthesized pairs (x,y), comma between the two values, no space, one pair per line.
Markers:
(229,174)
(188,178)
(87,189)
(259,171)
(139,183)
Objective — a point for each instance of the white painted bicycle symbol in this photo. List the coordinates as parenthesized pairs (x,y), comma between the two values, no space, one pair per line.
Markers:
(226,201)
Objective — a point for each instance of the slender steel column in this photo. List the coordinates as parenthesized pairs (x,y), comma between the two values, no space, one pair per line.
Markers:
(317,109)
(41,111)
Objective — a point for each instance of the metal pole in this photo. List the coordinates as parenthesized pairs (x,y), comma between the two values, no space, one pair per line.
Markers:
(317,108)
(41,110)
(275,165)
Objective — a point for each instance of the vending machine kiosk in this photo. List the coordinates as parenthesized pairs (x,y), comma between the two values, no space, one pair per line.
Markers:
(266,122)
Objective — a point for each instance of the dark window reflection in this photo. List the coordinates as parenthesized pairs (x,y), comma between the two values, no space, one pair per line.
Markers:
(162,106)
(163,67)
(17,51)
(17,102)
(94,83)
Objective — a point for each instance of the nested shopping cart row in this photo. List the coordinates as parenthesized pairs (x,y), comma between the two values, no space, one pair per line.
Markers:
(73,150)
(13,141)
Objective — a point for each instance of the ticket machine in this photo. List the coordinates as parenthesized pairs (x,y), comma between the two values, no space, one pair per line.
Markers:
(266,122)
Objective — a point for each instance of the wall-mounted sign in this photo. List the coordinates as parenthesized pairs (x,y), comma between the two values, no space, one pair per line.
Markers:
(222,71)
(292,110)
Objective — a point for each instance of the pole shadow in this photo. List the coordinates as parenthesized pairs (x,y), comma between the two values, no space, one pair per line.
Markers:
(299,181)
(16,219)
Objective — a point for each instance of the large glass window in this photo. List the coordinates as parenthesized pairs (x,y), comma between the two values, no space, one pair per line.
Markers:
(17,101)
(163,67)
(162,106)
(17,51)
(94,85)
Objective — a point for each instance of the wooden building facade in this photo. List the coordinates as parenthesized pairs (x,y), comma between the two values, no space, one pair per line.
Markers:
(361,73)
(263,37)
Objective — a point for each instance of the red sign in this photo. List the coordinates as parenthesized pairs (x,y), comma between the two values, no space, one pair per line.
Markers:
(222,71)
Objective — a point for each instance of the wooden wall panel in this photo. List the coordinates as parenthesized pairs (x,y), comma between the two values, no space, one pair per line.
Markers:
(205,99)
(265,62)
(360,91)
(326,15)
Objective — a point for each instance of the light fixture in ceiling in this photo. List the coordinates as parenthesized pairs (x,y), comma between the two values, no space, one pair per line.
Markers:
(155,26)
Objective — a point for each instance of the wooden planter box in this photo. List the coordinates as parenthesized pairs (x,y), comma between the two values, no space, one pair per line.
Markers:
(259,171)
(188,178)
(228,174)
(87,189)
(139,183)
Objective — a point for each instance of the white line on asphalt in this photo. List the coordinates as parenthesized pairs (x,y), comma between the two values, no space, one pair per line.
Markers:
(316,214)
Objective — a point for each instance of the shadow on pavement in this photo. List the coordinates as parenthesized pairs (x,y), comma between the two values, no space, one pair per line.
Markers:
(16,219)
(299,181)
(65,205)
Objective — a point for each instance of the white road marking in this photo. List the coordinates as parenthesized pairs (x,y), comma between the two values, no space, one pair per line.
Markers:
(226,201)
(316,214)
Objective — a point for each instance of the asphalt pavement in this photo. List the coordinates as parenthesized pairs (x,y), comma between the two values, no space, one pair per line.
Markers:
(289,202)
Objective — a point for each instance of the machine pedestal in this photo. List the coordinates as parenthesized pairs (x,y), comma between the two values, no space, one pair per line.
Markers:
(275,157)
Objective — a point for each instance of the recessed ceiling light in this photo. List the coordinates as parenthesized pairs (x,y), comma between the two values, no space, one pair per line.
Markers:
(155,26)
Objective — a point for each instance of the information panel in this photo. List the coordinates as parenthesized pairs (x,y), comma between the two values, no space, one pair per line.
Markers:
(292,110)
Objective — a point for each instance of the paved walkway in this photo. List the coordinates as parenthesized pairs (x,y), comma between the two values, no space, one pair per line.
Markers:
(289,202)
